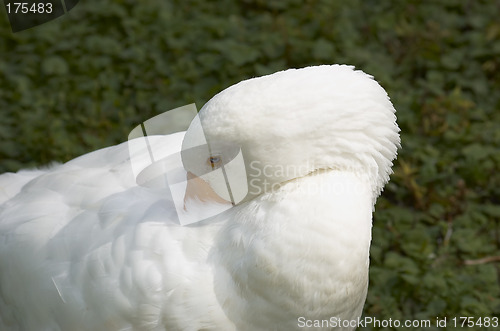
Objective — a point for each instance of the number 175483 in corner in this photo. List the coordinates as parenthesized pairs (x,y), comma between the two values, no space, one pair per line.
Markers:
(29,8)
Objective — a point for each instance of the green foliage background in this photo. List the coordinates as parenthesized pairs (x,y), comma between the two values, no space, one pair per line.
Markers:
(85,80)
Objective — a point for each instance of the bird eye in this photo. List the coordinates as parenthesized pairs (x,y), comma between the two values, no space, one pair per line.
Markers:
(215,161)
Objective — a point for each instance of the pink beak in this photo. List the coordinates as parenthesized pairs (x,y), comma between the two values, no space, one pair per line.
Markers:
(198,189)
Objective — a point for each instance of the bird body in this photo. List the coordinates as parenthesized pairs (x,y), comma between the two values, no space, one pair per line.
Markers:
(83,247)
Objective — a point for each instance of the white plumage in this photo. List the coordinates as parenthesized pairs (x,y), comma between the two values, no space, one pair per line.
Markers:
(83,247)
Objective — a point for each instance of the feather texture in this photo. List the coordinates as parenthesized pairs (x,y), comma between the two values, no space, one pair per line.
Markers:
(83,247)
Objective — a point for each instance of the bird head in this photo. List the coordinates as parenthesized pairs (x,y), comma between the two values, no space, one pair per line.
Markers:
(293,123)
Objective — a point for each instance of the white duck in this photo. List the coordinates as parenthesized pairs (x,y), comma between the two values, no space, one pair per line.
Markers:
(83,247)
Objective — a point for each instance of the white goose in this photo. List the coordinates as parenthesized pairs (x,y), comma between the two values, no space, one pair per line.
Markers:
(83,247)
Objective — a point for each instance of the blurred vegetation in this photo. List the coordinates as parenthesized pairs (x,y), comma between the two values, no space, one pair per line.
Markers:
(85,80)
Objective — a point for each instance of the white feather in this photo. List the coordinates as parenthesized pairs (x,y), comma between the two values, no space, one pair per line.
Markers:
(83,247)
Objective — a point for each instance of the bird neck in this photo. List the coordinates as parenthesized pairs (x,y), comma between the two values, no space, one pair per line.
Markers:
(300,251)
